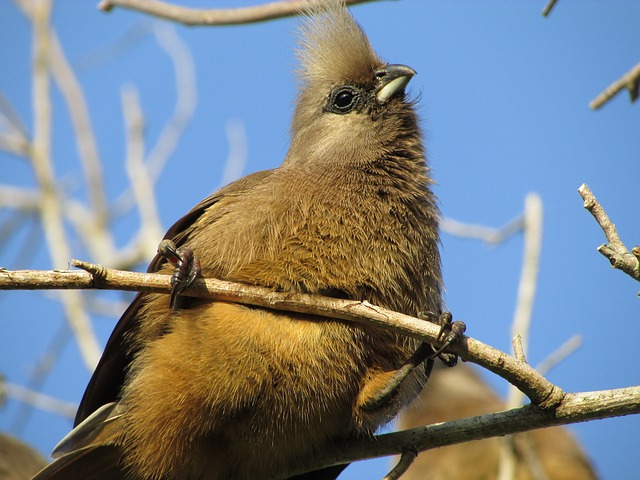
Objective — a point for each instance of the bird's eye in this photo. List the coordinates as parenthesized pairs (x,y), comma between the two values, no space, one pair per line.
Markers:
(343,100)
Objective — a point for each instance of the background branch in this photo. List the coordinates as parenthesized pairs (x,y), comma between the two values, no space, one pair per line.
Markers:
(630,81)
(231,16)
(577,407)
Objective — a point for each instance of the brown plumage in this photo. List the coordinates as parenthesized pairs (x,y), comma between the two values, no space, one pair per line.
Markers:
(18,461)
(460,392)
(214,390)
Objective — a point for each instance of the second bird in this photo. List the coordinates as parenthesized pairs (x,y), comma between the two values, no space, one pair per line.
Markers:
(214,390)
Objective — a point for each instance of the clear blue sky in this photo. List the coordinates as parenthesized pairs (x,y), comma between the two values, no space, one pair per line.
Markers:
(503,99)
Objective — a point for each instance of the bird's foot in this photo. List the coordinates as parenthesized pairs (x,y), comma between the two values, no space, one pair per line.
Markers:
(450,333)
(186,268)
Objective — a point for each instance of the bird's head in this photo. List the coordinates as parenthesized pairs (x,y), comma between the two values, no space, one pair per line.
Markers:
(351,106)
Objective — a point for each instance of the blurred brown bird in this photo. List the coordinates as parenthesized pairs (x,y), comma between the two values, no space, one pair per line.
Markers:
(214,390)
(18,461)
(550,453)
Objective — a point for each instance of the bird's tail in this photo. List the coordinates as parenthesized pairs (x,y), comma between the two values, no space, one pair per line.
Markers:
(90,451)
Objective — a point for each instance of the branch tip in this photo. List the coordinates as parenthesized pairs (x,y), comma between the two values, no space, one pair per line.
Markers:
(407,457)
(106,6)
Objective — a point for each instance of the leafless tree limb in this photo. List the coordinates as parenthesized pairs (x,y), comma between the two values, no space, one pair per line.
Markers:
(532,229)
(630,81)
(541,392)
(38,400)
(51,211)
(615,250)
(210,17)
(548,7)
(557,356)
(550,405)
(576,407)
(489,235)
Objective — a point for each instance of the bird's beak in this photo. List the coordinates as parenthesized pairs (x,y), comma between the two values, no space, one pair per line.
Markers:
(392,79)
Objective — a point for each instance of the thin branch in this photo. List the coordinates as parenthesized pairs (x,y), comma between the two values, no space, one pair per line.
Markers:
(50,205)
(541,392)
(492,236)
(39,374)
(86,143)
(576,407)
(532,229)
(186,101)
(615,251)
(11,118)
(141,184)
(186,96)
(557,356)
(406,459)
(630,81)
(548,7)
(231,16)
(39,400)
(551,406)
(14,143)
(237,158)
(530,266)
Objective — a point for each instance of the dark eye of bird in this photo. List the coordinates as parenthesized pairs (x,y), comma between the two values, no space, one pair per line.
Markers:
(343,100)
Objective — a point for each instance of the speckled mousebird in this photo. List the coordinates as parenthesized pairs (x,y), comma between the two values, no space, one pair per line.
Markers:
(215,390)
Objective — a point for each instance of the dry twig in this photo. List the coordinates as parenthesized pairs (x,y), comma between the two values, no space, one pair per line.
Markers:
(548,7)
(209,17)
(615,250)
(630,81)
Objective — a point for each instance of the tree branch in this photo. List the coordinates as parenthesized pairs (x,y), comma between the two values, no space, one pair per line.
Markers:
(630,81)
(615,251)
(576,407)
(539,390)
(210,17)
(550,405)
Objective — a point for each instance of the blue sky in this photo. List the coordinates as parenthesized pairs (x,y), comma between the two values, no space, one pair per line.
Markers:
(504,99)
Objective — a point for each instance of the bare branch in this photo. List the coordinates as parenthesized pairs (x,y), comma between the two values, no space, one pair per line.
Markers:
(186,101)
(186,90)
(406,459)
(11,118)
(548,7)
(551,406)
(38,400)
(68,84)
(562,352)
(576,407)
(15,139)
(237,158)
(630,81)
(492,236)
(50,205)
(615,251)
(530,267)
(14,143)
(541,392)
(141,183)
(231,16)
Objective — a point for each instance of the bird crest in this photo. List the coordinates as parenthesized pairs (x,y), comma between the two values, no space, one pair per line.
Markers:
(332,47)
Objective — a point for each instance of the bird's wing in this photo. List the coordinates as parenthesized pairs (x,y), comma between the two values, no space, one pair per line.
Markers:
(108,377)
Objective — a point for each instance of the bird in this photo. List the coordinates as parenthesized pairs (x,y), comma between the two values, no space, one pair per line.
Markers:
(205,389)
(18,461)
(551,453)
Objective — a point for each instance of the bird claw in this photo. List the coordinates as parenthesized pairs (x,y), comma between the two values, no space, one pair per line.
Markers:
(450,333)
(186,268)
